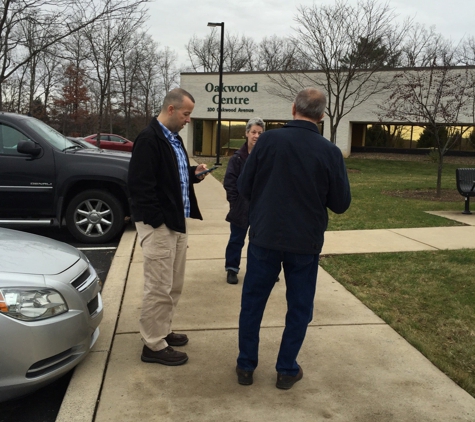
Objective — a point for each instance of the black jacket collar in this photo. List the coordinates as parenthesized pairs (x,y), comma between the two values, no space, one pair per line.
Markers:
(304,124)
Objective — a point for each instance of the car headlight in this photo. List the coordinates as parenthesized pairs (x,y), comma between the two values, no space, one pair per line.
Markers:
(29,304)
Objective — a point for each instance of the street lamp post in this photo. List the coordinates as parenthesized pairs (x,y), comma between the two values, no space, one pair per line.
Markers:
(220,92)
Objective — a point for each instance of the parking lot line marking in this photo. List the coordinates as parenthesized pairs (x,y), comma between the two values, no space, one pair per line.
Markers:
(105,248)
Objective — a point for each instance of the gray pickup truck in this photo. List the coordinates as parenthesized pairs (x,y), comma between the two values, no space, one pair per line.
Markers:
(47,179)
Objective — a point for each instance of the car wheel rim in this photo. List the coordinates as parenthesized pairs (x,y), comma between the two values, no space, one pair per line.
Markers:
(93,218)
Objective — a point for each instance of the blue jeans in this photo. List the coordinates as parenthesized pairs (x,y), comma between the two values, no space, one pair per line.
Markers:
(234,248)
(263,267)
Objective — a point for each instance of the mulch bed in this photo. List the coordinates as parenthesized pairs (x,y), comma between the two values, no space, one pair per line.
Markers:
(446,195)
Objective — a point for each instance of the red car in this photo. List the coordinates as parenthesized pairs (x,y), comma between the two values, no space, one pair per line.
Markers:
(110,141)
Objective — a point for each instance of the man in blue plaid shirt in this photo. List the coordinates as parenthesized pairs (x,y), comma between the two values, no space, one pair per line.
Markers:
(162,197)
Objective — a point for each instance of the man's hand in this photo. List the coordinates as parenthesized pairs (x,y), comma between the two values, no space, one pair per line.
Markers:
(199,169)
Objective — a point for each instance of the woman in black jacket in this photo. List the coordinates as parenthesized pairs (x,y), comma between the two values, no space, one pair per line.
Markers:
(239,206)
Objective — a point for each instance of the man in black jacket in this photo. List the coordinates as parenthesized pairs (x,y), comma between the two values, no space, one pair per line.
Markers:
(162,196)
(292,176)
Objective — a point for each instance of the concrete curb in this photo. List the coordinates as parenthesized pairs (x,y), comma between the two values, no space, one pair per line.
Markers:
(81,398)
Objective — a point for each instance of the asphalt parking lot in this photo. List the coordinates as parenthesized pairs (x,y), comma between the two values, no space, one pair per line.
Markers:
(44,404)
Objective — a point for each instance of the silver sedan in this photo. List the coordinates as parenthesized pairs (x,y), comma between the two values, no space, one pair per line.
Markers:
(50,311)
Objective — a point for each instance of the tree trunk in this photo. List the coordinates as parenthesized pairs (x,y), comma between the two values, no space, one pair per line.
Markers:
(440,165)
(100,118)
(31,94)
(333,130)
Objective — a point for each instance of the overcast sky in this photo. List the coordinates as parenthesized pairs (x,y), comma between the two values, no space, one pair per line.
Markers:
(174,23)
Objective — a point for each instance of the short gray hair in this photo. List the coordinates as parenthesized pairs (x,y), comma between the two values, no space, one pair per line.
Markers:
(255,121)
(175,97)
(311,103)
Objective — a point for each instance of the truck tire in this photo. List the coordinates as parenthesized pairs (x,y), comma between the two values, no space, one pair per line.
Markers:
(94,216)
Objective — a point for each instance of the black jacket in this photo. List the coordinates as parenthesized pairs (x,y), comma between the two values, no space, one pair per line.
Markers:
(154,181)
(292,176)
(239,206)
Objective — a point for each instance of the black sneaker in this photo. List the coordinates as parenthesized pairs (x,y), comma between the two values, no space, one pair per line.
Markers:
(244,377)
(166,356)
(285,382)
(232,277)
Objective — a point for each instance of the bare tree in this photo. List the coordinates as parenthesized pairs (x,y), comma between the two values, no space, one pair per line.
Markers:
(280,54)
(143,71)
(236,56)
(74,49)
(50,21)
(147,79)
(168,72)
(17,103)
(48,78)
(467,57)
(422,46)
(434,97)
(204,53)
(130,57)
(201,53)
(467,51)
(243,54)
(104,43)
(339,41)
(32,35)
(39,71)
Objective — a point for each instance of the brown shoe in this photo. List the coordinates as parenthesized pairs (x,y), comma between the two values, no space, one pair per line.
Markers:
(286,382)
(174,339)
(166,356)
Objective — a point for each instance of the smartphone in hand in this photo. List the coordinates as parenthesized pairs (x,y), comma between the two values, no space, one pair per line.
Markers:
(206,171)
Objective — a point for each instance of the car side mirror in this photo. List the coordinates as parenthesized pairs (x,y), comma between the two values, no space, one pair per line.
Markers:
(28,147)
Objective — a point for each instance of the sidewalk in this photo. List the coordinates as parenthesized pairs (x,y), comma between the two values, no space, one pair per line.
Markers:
(356,368)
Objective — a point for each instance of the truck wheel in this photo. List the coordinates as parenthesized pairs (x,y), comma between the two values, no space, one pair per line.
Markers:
(94,216)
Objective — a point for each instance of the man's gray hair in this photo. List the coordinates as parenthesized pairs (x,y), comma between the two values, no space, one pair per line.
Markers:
(257,121)
(311,103)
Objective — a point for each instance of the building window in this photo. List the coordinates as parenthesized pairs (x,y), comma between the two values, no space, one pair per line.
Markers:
(233,135)
(414,137)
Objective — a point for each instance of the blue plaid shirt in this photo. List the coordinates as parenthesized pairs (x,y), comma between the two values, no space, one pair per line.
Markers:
(182,167)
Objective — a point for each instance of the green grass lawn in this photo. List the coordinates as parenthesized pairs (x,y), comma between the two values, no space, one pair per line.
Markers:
(210,161)
(234,143)
(371,208)
(427,297)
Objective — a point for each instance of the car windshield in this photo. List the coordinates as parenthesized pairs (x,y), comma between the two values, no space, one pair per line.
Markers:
(49,134)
